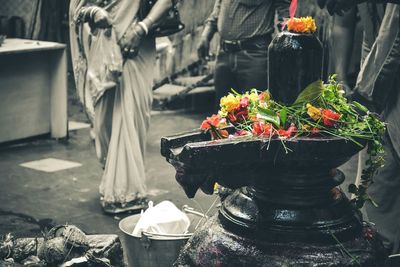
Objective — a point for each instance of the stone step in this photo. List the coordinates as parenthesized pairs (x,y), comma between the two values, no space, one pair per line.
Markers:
(201,99)
(186,81)
(163,94)
(173,96)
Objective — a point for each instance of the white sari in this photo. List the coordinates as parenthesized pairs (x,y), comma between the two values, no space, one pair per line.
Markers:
(121,115)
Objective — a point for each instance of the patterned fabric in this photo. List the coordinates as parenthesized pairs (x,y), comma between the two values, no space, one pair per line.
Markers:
(244,19)
(28,10)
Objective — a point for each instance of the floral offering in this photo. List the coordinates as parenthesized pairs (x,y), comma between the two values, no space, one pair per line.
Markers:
(320,110)
(301,25)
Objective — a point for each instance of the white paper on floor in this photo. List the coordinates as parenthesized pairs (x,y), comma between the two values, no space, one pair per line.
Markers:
(50,165)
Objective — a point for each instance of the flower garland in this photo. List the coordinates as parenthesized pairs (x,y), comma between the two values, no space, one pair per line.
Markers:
(320,110)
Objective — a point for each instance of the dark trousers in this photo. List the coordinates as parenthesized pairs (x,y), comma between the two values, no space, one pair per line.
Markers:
(386,192)
(242,70)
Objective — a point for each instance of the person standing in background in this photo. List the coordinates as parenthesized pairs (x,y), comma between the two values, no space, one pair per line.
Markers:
(122,112)
(378,87)
(245,28)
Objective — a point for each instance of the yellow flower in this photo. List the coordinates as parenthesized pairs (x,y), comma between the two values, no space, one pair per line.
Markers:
(216,187)
(222,113)
(313,112)
(230,102)
(302,25)
(253,97)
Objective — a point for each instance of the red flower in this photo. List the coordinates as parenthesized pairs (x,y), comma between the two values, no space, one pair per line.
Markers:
(241,133)
(264,96)
(330,117)
(314,131)
(244,102)
(220,134)
(214,120)
(287,133)
(262,129)
(238,115)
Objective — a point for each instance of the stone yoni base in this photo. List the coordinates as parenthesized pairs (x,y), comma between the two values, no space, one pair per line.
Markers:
(212,245)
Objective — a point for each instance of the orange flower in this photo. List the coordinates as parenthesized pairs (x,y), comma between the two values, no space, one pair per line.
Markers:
(264,96)
(287,133)
(214,120)
(219,134)
(262,129)
(302,25)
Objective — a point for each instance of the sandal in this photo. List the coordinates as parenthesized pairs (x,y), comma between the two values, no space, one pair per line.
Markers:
(134,206)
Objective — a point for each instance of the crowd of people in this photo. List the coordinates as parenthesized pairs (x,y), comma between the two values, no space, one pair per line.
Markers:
(246,27)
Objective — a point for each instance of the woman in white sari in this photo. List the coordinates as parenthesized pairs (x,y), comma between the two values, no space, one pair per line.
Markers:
(116,88)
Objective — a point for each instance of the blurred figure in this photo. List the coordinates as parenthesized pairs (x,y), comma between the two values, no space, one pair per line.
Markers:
(378,87)
(245,28)
(341,6)
(121,112)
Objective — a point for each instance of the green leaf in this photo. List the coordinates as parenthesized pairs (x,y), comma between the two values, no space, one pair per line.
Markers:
(269,116)
(234,91)
(312,92)
(283,115)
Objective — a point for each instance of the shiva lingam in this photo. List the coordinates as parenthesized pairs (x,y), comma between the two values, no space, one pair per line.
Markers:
(287,208)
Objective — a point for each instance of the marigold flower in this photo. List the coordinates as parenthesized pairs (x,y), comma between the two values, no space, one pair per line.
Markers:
(230,102)
(330,117)
(313,112)
(302,25)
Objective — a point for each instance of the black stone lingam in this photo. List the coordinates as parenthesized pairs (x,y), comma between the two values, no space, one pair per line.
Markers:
(294,62)
(287,208)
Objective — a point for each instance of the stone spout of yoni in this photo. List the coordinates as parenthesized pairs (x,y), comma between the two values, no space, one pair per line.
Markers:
(244,161)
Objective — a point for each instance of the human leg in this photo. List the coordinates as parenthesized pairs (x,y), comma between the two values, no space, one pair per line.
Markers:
(103,124)
(123,185)
(386,192)
(251,68)
(224,78)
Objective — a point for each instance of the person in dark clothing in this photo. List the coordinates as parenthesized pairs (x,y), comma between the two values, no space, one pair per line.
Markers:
(378,87)
(245,28)
(340,6)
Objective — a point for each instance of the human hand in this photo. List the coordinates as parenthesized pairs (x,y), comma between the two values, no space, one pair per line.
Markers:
(131,40)
(203,49)
(337,6)
(101,18)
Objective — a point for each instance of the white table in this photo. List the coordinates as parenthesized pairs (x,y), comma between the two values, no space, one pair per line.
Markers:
(33,89)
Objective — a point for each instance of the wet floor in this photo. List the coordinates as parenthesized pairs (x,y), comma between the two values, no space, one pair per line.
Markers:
(44,182)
